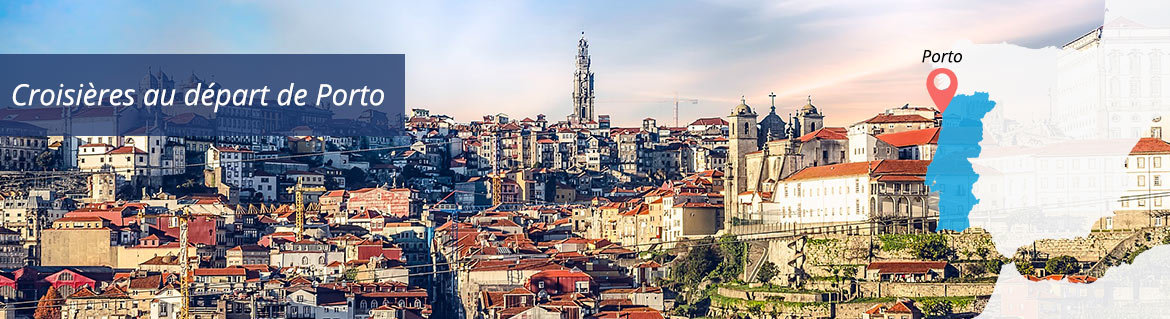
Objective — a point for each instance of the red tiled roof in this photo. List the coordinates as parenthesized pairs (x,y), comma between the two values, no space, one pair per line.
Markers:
(878,168)
(79,219)
(901,178)
(127,150)
(900,307)
(830,133)
(908,138)
(905,267)
(890,118)
(709,121)
(233,271)
(1150,145)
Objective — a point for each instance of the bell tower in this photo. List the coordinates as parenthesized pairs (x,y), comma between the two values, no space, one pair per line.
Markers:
(583,95)
(742,139)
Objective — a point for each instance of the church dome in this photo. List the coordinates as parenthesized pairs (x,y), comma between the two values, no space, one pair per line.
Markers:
(809,109)
(742,109)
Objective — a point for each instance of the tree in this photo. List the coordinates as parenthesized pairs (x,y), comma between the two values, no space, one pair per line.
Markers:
(732,251)
(849,272)
(982,252)
(939,308)
(698,263)
(993,265)
(355,178)
(47,160)
(50,305)
(932,248)
(1062,265)
(1025,267)
(766,273)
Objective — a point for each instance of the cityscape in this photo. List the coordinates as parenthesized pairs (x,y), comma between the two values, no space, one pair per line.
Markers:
(766,212)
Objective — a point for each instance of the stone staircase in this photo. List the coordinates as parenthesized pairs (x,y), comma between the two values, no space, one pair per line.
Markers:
(1117,254)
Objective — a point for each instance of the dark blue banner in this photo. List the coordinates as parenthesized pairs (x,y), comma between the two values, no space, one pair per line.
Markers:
(202,94)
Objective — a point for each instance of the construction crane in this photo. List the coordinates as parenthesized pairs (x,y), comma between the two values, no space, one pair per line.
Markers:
(496,182)
(298,192)
(183,217)
(676,101)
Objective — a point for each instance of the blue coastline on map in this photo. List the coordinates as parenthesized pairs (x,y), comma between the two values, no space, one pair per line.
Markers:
(950,173)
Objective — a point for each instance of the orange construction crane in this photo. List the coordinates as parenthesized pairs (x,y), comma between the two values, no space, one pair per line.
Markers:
(185,262)
(298,192)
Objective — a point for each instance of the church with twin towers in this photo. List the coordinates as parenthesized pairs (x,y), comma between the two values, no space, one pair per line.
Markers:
(866,177)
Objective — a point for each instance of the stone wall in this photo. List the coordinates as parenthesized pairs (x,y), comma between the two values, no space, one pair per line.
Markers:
(1088,249)
(822,252)
(912,290)
(721,309)
(77,247)
(777,296)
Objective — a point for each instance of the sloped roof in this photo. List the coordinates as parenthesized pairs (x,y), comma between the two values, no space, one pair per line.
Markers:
(877,168)
(890,118)
(1150,145)
(829,133)
(905,267)
(909,138)
(709,121)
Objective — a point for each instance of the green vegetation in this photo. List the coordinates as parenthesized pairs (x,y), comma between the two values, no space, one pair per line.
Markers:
(926,246)
(706,263)
(993,265)
(1062,265)
(1024,267)
(732,252)
(1130,256)
(821,241)
(931,247)
(774,288)
(766,273)
(937,308)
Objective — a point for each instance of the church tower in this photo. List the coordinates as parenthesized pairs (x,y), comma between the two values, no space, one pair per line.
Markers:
(582,85)
(809,118)
(742,139)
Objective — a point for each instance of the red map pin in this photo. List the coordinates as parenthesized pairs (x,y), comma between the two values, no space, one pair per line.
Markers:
(942,96)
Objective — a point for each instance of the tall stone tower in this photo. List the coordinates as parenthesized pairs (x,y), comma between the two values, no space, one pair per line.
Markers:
(582,85)
(742,139)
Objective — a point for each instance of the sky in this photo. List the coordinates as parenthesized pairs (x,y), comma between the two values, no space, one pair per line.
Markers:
(468,59)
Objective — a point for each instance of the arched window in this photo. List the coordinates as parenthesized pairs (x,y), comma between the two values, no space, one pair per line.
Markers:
(305,260)
(321,260)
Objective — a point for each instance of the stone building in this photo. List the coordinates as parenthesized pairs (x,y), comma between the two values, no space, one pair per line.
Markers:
(772,127)
(742,139)
(1146,170)
(582,85)
(888,196)
(20,152)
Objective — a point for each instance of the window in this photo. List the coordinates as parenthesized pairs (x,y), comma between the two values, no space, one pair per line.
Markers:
(1141,162)
(1157,180)
(1141,180)
(583,287)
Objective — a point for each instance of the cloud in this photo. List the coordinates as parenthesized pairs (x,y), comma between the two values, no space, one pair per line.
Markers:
(465,58)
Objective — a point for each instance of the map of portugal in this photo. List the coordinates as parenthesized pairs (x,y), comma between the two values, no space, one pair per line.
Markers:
(950,173)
